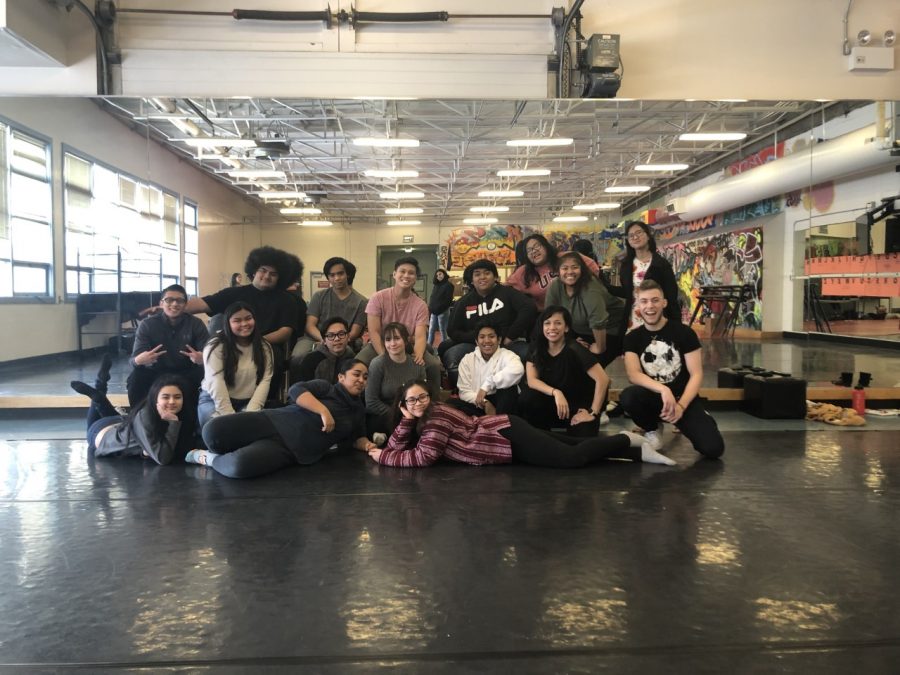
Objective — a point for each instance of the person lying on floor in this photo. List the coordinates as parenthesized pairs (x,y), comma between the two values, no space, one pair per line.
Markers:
(320,415)
(429,431)
(160,427)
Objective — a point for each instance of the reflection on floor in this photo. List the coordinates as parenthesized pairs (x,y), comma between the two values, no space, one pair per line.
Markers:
(887,329)
(781,557)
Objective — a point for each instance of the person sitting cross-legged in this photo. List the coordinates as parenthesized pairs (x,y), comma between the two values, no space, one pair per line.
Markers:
(663,363)
(489,377)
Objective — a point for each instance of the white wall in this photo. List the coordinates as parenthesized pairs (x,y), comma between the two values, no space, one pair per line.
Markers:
(43,328)
(672,49)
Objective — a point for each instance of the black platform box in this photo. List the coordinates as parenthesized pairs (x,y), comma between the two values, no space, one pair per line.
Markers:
(733,377)
(775,398)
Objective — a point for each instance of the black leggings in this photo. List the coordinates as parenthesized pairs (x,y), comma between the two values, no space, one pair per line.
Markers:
(246,445)
(544,448)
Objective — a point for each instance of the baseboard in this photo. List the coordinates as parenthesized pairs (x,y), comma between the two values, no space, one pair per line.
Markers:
(856,340)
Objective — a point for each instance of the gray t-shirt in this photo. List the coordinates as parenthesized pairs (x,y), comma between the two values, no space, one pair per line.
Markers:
(325,304)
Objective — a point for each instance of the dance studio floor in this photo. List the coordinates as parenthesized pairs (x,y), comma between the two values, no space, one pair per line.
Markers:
(781,557)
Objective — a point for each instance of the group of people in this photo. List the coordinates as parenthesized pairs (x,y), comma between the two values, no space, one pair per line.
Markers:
(526,357)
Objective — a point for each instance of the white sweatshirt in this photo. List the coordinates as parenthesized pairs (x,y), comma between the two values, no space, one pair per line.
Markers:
(245,386)
(502,371)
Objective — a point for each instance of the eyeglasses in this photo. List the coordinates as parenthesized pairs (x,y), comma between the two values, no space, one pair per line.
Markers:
(174,301)
(336,336)
(421,398)
(534,249)
(637,234)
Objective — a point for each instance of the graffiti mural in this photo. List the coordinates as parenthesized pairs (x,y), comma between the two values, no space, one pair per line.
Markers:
(496,243)
(732,258)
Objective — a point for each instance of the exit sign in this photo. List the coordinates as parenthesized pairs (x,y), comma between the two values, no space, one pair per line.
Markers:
(407,239)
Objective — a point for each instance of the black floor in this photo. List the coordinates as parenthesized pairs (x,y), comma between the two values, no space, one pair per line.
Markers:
(780,558)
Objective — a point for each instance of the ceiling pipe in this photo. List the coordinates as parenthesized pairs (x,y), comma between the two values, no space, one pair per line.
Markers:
(846,155)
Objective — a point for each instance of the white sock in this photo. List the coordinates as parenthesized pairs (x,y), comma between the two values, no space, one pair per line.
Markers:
(651,456)
(636,440)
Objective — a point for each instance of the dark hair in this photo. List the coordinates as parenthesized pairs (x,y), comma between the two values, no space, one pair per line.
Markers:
(445,280)
(349,267)
(346,364)
(489,323)
(399,328)
(483,264)
(236,279)
(158,426)
(584,247)
(397,416)
(586,274)
(521,257)
(287,265)
(531,274)
(540,345)
(174,288)
(335,319)
(230,350)
(407,260)
(651,241)
(649,285)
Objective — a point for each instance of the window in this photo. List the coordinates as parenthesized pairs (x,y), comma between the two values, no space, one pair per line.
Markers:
(121,233)
(26,206)
(191,248)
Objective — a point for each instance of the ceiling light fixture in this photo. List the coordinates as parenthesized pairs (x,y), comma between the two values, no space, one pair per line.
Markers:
(397,223)
(661,167)
(385,173)
(713,136)
(599,206)
(219,142)
(628,189)
(279,194)
(501,193)
(409,194)
(301,211)
(523,172)
(489,209)
(387,142)
(536,142)
(316,223)
(570,219)
(480,221)
(257,173)
(414,211)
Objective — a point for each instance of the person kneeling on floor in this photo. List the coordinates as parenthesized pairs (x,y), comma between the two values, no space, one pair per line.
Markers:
(663,363)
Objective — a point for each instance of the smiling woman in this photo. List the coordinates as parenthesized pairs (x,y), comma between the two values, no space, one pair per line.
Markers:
(319,416)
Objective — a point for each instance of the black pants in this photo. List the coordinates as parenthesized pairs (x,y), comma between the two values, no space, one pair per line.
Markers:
(506,402)
(141,379)
(540,410)
(697,425)
(247,444)
(543,448)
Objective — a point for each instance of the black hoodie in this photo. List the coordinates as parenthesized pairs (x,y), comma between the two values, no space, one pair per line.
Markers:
(512,312)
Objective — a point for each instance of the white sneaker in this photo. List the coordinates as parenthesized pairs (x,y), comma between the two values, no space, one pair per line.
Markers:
(379,438)
(654,439)
(604,419)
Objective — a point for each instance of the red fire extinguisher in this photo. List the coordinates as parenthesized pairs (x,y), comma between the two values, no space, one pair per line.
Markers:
(859,400)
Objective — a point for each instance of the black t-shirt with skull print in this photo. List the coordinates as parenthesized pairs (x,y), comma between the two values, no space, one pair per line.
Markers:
(661,353)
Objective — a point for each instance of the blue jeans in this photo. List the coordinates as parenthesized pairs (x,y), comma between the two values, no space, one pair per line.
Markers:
(438,322)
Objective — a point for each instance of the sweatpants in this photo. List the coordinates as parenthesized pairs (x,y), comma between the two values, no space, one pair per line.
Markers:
(644,406)
(544,448)
(540,410)
(506,402)
(246,445)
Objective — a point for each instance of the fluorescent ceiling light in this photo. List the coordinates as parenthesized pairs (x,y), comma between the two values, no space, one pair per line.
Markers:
(661,167)
(403,211)
(316,223)
(301,211)
(628,189)
(393,223)
(219,142)
(570,219)
(257,173)
(379,173)
(409,194)
(387,142)
(600,206)
(523,172)
(480,221)
(279,194)
(713,136)
(501,193)
(526,142)
(489,209)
